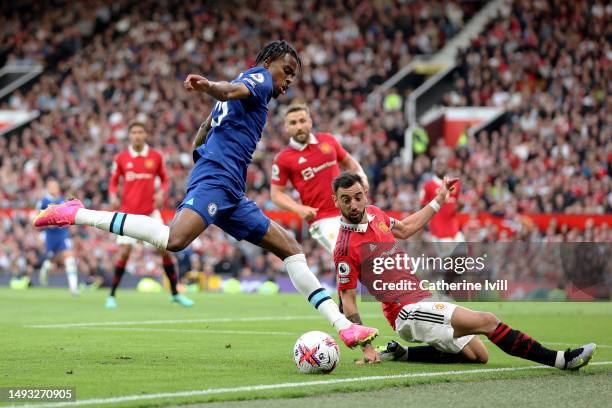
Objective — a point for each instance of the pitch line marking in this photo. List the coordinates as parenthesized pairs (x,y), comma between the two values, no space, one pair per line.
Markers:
(205,320)
(264,387)
(209,331)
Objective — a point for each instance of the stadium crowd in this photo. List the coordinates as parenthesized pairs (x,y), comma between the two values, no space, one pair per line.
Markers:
(548,64)
(134,67)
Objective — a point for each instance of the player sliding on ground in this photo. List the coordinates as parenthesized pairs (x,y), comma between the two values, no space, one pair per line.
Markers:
(224,146)
(450,330)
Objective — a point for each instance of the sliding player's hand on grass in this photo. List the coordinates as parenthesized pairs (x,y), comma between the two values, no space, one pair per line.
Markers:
(370,356)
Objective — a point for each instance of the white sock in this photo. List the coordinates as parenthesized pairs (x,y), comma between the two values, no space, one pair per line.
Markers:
(310,287)
(560,360)
(71,274)
(44,272)
(140,227)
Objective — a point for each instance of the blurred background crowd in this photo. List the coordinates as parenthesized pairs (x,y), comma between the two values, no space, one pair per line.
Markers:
(546,62)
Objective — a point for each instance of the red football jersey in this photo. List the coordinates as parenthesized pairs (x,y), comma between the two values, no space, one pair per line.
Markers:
(444,224)
(311,168)
(358,241)
(138,171)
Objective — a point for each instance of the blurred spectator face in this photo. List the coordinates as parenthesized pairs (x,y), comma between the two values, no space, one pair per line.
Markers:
(439,167)
(282,71)
(53,188)
(298,125)
(137,135)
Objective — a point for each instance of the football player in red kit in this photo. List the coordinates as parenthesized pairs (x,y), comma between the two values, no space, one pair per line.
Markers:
(310,163)
(367,237)
(139,166)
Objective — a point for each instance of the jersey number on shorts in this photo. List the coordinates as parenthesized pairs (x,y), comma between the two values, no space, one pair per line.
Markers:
(222,107)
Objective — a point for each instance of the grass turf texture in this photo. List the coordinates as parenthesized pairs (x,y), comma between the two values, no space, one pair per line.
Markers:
(228,342)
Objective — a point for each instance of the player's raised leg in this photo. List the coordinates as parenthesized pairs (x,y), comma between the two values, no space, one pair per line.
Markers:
(186,226)
(516,343)
(282,244)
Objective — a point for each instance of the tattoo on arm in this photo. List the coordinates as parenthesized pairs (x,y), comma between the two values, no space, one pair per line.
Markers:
(355,318)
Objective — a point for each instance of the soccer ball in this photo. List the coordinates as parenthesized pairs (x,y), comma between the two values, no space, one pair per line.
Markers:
(316,352)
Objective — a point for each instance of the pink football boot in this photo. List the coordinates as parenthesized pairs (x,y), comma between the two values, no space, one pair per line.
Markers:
(357,335)
(60,215)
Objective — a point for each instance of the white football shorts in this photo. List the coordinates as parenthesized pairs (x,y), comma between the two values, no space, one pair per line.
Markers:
(430,322)
(326,231)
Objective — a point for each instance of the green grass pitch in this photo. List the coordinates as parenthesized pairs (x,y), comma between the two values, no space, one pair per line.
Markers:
(150,352)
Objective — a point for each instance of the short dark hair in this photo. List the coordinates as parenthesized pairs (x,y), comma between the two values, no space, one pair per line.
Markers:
(276,49)
(296,107)
(136,123)
(346,180)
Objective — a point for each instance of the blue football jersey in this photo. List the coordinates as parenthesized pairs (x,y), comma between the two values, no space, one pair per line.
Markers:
(236,128)
(53,234)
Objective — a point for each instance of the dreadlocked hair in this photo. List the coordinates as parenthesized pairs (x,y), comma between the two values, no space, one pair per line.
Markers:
(276,49)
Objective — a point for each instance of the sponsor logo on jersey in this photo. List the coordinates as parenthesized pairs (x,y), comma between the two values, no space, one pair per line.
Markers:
(131,176)
(343,269)
(325,148)
(212,209)
(310,172)
(258,77)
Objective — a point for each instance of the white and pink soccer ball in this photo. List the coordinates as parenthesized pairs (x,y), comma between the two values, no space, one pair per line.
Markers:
(316,352)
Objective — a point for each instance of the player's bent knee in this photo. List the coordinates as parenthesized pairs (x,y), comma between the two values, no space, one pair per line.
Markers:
(177,243)
(489,321)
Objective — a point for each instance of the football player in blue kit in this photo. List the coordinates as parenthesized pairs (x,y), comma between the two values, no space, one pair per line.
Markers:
(57,242)
(224,146)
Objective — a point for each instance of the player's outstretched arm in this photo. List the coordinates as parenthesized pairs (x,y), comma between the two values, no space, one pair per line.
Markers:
(410,225)
(283,201)
(221,90)
(348,299)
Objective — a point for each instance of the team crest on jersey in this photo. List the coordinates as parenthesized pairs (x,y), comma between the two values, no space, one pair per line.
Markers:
(149,163)
(326,148)
(343,269)
(438,306)
(383,227)
(212,209)
(258,77)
